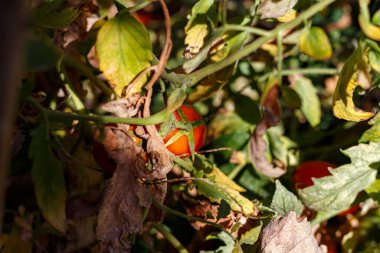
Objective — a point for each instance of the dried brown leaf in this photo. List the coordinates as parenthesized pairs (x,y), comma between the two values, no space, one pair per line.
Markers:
(258,146)
(126,195)
(288,234)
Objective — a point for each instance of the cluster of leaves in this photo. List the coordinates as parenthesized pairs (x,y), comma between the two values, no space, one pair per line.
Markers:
(278,82)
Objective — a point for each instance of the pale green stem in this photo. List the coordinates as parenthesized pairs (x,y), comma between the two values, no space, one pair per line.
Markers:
(248,29)
(171,238)
(198,75)
(279,57)
(62,116)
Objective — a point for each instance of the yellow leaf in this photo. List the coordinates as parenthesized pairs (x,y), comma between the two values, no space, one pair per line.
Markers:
(343,104)
(124,50)
(221,178)
(289,16)
(370,30)
(315,43)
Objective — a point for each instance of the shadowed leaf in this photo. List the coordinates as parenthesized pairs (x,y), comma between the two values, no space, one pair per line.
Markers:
(48,178)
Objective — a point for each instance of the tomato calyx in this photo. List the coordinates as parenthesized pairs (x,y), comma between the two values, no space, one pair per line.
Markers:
(185,132)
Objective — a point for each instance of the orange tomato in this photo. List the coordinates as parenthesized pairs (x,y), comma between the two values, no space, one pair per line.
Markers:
(181,146)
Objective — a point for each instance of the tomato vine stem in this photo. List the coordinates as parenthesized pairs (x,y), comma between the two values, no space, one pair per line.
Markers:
(198,75)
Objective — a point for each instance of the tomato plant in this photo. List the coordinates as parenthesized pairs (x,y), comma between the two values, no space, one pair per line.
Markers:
(181,144)
(279,82)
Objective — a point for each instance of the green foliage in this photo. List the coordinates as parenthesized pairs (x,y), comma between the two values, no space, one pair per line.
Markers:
(315,43)
(338,191)
(48,16)
(285,201)
(48,178)
(264,76)
(310,105)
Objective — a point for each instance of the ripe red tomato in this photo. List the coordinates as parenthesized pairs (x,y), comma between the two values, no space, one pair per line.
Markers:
(315,169)
(181,145)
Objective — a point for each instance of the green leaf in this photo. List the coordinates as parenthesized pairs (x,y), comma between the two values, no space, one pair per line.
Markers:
(343,104)
(247,109)
(251,236)
(47,16)
(372,134)
(338,191)
(275,8)
(217,191)
(124,50)
(315,43)
(291,97)
(176,99)
(310,106)
(374,60)
(374,191)
(285,201)
(229,243)
(48,177)
(371,30)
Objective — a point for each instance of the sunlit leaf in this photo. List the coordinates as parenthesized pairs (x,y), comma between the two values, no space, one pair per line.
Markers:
(48,179)
(217,192)
(229,243)
(232,41)
(343,104)
(220,178)
(288,234)
(338,191)
(251,236)
(275,8)
(197,27)
(372,134)
(315,43)
(310,105)
(285,201)
(374,190)
(124,50)
(287,17)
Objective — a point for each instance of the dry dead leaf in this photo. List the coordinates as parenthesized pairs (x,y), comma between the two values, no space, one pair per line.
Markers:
(126,195)
(257,145)
(288,234)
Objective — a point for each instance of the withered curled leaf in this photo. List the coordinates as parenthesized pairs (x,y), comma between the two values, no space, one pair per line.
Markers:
(343,104)
(257,145)
(288,234)
(126,196)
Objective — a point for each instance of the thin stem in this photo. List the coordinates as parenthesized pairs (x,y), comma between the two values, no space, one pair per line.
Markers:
(248,29)
(198,75)
(279,57)
(179,214)
(310,71)
(134,7)
(171,238)
(236,171)
(62,116)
